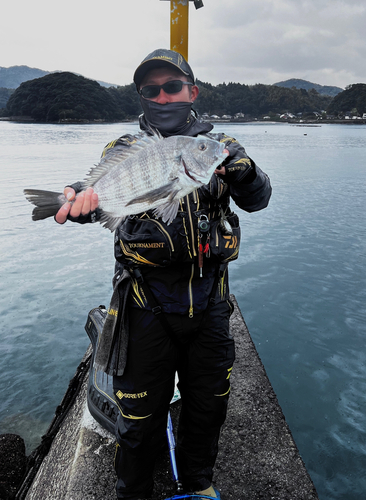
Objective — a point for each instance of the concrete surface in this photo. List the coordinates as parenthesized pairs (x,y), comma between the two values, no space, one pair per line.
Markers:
(258,458)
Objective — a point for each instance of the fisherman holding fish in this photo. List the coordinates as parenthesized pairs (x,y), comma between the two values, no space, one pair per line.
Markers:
(170,309)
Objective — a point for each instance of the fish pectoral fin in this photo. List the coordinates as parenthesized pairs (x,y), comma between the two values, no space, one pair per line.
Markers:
(155,194)
(167,211)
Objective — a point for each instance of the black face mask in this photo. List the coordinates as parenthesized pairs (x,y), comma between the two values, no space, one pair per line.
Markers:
(173,118)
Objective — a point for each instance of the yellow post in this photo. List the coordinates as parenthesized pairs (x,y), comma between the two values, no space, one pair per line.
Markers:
(179,27)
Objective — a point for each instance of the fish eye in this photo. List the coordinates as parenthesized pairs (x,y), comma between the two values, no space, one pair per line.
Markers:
(202,146)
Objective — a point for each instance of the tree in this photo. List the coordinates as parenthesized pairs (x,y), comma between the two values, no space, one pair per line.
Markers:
(59,96)
(354,97)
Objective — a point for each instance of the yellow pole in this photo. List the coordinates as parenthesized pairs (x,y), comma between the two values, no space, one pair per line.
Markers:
(179,27)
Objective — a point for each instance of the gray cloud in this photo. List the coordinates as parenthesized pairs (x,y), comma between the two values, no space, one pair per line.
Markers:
(323,41)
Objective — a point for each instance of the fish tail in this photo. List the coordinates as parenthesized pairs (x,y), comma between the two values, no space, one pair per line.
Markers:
(47,203)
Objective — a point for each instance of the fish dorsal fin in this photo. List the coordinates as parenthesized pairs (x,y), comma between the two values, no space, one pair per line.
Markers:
(120,153)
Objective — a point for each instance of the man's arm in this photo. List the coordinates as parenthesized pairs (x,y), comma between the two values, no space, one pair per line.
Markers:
(249,186)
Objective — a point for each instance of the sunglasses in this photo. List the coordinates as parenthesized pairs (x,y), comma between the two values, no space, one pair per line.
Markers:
(172,87)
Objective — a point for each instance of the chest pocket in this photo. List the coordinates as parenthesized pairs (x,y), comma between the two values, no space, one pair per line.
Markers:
(146,241)
(225,241)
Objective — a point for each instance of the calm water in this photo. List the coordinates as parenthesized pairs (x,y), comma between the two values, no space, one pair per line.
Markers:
(300,283)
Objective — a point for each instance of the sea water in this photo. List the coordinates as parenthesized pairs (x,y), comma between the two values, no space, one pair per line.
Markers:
(299,281)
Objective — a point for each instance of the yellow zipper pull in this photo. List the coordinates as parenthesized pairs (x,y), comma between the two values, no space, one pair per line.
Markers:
(190,313)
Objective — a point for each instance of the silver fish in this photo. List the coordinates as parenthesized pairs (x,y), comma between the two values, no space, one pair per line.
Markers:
(153,173)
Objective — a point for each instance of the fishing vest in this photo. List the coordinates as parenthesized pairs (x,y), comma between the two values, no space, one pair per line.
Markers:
(205,228)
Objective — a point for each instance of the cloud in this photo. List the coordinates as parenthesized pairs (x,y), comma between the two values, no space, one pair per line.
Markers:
(288,39)
(249,42)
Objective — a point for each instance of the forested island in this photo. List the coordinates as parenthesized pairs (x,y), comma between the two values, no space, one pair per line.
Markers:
(65,97)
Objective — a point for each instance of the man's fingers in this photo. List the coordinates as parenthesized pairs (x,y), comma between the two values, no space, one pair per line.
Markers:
(94,202)
(69,193)
(77,205)
(85,202)
(220,170)
(85,209)
(90,201)
(62,214)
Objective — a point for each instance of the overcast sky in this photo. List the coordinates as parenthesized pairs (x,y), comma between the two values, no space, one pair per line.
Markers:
(245,41)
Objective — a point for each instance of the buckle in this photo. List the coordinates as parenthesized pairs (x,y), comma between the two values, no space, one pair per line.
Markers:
(138,276)
(156,310)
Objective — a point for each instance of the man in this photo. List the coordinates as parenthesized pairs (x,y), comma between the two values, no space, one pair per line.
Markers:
(178,303)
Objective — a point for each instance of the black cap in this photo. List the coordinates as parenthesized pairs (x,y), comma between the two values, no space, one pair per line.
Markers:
(160,58)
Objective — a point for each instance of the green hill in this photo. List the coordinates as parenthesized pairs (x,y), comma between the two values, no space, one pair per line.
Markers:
(67,97)
(353,100)
(63,96)
(304,84)
(257,100)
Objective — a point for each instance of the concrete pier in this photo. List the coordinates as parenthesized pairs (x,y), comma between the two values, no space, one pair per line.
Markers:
(258,458)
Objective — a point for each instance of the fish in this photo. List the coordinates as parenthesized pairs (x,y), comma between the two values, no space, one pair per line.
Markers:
(153,173)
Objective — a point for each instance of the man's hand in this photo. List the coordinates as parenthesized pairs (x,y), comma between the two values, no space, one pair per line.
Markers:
(85,202)
(238,166)
(221,169)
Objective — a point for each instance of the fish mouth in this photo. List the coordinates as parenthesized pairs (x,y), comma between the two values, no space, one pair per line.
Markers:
(187,172)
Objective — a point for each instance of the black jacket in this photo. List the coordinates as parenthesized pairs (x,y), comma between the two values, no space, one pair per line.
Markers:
(168,256)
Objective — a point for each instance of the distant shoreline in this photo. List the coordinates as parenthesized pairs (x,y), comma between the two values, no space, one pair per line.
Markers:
(303,123)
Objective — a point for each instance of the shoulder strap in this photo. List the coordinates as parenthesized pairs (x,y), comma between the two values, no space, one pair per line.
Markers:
(155,307)
(219,275)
